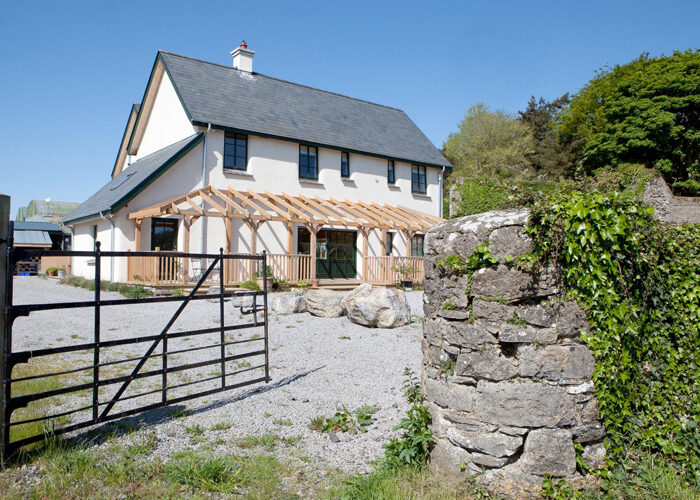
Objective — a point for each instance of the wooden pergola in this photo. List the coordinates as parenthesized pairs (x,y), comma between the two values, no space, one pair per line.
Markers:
(313,212)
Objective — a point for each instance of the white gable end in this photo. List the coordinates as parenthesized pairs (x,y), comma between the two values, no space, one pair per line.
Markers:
(167,123)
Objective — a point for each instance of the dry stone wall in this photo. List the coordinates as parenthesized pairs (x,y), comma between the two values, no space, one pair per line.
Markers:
(507,379)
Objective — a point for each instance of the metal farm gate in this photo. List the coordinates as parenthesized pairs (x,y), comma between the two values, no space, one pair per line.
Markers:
(91,392)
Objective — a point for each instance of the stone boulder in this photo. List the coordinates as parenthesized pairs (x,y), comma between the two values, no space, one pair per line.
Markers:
(378,306)
(323,303)
(288,303)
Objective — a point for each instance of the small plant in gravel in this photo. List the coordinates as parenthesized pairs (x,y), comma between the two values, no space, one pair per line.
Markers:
(345,421)
(282,421)
(194,430)
(209,473)
(413,445)
(266,441)
(221,426)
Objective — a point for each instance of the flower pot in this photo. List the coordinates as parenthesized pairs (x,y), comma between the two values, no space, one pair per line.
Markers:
(314,283)
(261,283)
(61,273)
(51,272)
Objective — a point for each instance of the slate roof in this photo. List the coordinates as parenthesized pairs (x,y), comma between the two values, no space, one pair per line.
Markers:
(37,226)
(252,102)
(34,238)
(121,189)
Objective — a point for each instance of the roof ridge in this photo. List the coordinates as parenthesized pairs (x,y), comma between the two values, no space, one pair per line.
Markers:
(286,81)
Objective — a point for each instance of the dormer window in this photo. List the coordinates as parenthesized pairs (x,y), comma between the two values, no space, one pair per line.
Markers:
(235,151)
(344,164)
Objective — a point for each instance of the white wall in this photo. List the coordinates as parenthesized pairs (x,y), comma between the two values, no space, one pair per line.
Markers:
(168,122)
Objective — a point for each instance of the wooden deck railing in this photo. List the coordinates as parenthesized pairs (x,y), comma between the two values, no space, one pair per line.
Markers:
(171,271)
(386,270)
(157,270)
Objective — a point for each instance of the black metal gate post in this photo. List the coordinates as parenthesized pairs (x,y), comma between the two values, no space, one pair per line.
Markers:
(5,340)
(267,347)
(96,349)
(221,317)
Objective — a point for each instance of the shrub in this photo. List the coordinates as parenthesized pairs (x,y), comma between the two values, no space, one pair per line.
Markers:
(250,285)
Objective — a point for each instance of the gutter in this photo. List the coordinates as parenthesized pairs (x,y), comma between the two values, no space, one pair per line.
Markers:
(111,245)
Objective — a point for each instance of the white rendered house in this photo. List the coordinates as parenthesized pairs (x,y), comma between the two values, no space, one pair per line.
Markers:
(223,157)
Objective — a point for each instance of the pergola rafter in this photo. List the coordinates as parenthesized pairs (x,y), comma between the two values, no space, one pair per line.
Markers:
(311,211)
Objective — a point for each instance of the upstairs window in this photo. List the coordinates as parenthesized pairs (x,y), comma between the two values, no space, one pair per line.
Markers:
(390,172)
(235,151)
(344,164)
(308,162)
(418,183)
(417,245)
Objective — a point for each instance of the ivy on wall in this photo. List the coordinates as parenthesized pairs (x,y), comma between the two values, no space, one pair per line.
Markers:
(639,282)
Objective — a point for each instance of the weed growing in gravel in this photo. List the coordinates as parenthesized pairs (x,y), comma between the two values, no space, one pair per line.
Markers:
(344,420)
(344,337)
(194,430)
(267,441)
(221,426)
(282,421)
(142,445)
(180,412)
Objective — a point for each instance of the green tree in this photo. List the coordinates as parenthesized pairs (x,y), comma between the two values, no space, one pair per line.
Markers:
(549,156)
(645,112)
(492,143)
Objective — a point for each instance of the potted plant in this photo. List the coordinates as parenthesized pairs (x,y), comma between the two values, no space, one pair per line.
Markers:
(52,271)
(61,272)
(260,280)
(406,273)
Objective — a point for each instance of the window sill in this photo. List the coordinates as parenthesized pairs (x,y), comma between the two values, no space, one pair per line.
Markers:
(348,180)
(239,173)
(313,182)
(393,187)
(422,196)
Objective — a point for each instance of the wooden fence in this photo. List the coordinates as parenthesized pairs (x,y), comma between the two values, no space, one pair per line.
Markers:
(391,270)
(59,261)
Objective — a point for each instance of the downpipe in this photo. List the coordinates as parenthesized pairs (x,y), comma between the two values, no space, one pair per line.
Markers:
(204,175)
(111,245)
(442,194)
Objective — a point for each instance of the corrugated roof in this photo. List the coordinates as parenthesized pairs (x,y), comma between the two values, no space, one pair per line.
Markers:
(118,191)
(227,97)
(34,238)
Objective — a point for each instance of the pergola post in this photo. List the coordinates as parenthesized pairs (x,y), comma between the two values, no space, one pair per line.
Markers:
(253,244)
(409,237)
(290,250)
(313,231)
(137,235)
(365,248)
(186,224)
(227,244)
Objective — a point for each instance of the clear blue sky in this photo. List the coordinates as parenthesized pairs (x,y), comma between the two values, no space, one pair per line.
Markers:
(71,69)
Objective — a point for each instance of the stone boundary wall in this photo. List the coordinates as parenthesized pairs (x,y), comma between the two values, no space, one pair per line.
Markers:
(507,380)
(671,208)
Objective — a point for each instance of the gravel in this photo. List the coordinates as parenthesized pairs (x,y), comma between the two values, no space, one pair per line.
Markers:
(316,364)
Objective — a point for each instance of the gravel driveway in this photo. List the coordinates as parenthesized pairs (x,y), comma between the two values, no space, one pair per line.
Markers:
(316,364)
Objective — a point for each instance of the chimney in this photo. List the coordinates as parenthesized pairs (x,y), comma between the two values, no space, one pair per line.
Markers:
(243,58)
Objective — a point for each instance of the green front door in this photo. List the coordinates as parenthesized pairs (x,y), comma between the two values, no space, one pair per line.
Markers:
(335,252)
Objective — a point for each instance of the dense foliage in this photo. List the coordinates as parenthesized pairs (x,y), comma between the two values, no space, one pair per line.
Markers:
(483,194)
(639,282)
(647,112)
(488,142)
(549,155)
